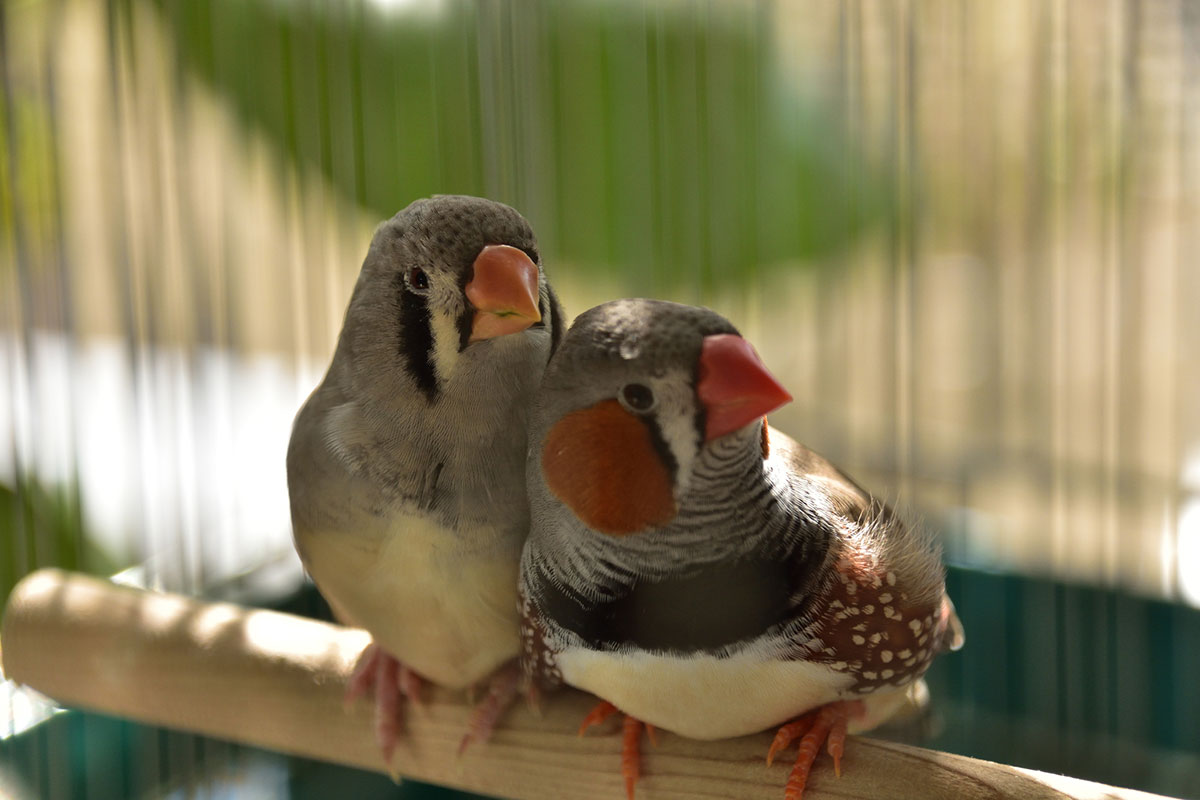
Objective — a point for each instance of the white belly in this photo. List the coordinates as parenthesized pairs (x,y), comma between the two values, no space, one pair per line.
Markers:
(703,697)
(448,614)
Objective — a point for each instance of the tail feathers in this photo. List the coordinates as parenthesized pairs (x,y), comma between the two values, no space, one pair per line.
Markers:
(954,636)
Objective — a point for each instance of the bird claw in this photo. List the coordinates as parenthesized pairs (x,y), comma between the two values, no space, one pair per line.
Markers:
(825,725)
(631,756)
(502,690)
(631,735)
(602,711)
(533,699)
(362,677)
(410,686)
(788,734)
(391,682)
(387,706)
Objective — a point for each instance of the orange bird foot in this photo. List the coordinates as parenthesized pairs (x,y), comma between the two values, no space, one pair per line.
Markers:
(502,690)
(391,682)
(631,737)
(825,725)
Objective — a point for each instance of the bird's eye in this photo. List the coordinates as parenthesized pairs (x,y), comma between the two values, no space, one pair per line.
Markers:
(637,397)
(418,280)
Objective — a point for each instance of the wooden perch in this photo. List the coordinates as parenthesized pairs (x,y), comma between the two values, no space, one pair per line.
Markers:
(275,681)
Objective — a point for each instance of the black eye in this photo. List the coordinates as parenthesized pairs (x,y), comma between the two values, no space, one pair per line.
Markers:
(637,397)
(417,279)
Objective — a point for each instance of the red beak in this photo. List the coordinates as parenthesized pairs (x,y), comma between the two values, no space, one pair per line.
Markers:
(735,387)
(504,292)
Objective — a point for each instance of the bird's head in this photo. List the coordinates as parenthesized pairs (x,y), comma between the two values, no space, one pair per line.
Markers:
(635,394)
(448,281)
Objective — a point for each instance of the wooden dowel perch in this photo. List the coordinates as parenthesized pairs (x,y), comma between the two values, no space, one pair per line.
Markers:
(275,681)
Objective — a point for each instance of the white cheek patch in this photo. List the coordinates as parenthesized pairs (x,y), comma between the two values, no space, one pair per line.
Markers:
(676,417)
(445,343)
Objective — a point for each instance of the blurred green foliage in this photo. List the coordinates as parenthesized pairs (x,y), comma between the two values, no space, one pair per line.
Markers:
(40,526)
(662,138)
(28,188)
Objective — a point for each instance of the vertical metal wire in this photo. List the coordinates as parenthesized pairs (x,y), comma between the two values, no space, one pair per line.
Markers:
(657,99)
(1113,270)
(22,549)
(16,550)
(1187,542)
(905,251)
(762,55)
(117,40)
(1055,261)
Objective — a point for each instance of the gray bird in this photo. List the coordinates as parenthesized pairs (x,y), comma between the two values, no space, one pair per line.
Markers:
(406,466)
(700,571)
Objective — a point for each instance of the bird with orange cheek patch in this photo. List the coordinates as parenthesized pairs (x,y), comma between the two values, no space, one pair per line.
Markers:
(700,572)
(406,466)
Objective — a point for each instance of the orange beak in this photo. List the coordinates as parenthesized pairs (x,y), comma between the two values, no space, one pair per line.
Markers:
(735,387)
(504,292)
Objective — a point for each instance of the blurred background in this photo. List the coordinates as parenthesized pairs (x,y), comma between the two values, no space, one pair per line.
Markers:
(965,235)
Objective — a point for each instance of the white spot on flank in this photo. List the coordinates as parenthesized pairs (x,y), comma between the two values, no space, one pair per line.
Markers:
(870,675)
(875,637)
(887,673)
(915,625)
(905,653)
(886,597)
(885,656)
(891,579)
(858,639)
(868,609)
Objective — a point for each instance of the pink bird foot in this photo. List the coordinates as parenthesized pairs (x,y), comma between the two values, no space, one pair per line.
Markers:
(502,690)
(392,682)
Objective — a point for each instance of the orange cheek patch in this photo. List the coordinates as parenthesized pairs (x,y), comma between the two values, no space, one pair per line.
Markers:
(601,462)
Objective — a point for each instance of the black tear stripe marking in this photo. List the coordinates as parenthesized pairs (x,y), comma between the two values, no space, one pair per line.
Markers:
(416,339)
(463,325)
(712,608)
(557,325)
(700,420)
(660,445)
(465,320)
